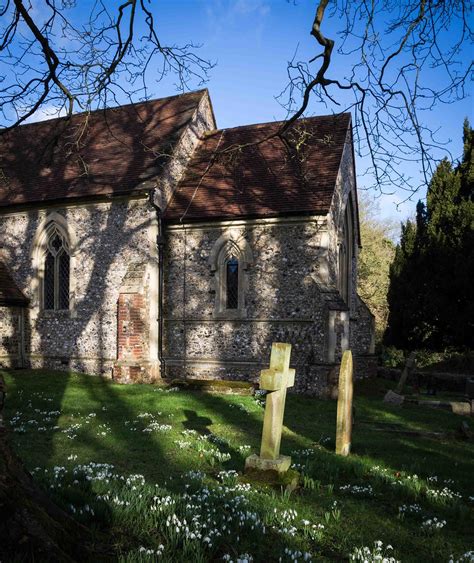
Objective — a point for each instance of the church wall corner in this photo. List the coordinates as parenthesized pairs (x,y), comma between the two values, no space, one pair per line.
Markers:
(109,237)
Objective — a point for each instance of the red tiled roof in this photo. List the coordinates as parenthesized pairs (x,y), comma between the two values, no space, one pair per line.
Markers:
(121,148)
(268,179)
(9,292)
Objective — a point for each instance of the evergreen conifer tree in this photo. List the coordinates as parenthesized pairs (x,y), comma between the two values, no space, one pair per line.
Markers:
(431,278)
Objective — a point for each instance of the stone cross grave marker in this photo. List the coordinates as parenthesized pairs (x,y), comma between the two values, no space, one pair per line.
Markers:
(344,406)
(276,381)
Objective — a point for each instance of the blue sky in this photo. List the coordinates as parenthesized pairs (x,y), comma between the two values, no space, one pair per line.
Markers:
(251,42)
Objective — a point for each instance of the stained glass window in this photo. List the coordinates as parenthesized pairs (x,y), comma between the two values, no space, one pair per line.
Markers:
(232,285)
(56,271)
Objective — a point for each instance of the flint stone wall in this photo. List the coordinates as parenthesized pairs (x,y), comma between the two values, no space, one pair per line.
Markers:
(109,237)
(283,303)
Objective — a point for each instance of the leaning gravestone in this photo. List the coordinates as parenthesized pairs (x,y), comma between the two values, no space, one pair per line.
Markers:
(344,406)
(396,397)
(407,370)
(276,381)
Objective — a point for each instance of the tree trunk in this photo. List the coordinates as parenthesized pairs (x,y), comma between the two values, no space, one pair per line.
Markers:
(32,527)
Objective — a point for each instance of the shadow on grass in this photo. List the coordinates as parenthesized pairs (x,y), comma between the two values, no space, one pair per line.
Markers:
(156,456)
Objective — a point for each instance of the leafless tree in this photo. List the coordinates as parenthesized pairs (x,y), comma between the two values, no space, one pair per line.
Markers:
(412,58)
(54,55)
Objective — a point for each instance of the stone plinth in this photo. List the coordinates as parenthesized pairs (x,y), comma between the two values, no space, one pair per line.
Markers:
(281,464)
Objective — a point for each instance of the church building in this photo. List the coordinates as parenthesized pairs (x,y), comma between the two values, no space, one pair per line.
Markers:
(141,242)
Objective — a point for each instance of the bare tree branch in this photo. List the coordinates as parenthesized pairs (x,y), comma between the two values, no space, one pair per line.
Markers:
(410,62)
(59,56)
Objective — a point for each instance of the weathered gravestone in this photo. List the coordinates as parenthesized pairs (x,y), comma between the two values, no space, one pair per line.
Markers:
(344,405)
(276,381)
(407,370)
(396,397)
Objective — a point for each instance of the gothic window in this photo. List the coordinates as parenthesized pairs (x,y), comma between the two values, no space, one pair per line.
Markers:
(232,283)
(56,271)
(229,261)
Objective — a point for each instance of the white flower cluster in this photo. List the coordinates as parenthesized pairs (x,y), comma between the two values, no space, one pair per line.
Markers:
(229,476)
(160,503)
(358,490)
(308,452)
(182,444)
(259,397)
(134,480)
(467,557)
(443,495)
(369,555)
(409,509)
(288,515)
(194,475)
(433,524)
(314,531)
(103,430)
(86,509)
(96,471)
(147,551)
(167,390)
(295,555)
(71,431)
(243,558)
(157,427)
(221,456)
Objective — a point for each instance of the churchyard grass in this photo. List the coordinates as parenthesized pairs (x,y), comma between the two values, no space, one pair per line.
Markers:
(157,471)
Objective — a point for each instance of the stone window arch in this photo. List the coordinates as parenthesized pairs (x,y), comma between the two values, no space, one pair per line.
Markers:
(230,259)
(53,256)
(346,253)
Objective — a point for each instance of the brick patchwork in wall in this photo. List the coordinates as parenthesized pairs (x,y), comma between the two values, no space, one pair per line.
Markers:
(132,331)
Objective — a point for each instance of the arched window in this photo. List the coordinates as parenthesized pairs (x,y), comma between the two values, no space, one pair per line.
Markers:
(56,270)
(229,261)
(346,253)
(232,283)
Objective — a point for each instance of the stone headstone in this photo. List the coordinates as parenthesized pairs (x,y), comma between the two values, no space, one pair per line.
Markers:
(344,405)
(276,381)
(407,370)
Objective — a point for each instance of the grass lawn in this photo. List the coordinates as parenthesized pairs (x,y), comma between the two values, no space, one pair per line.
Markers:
(159,471)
